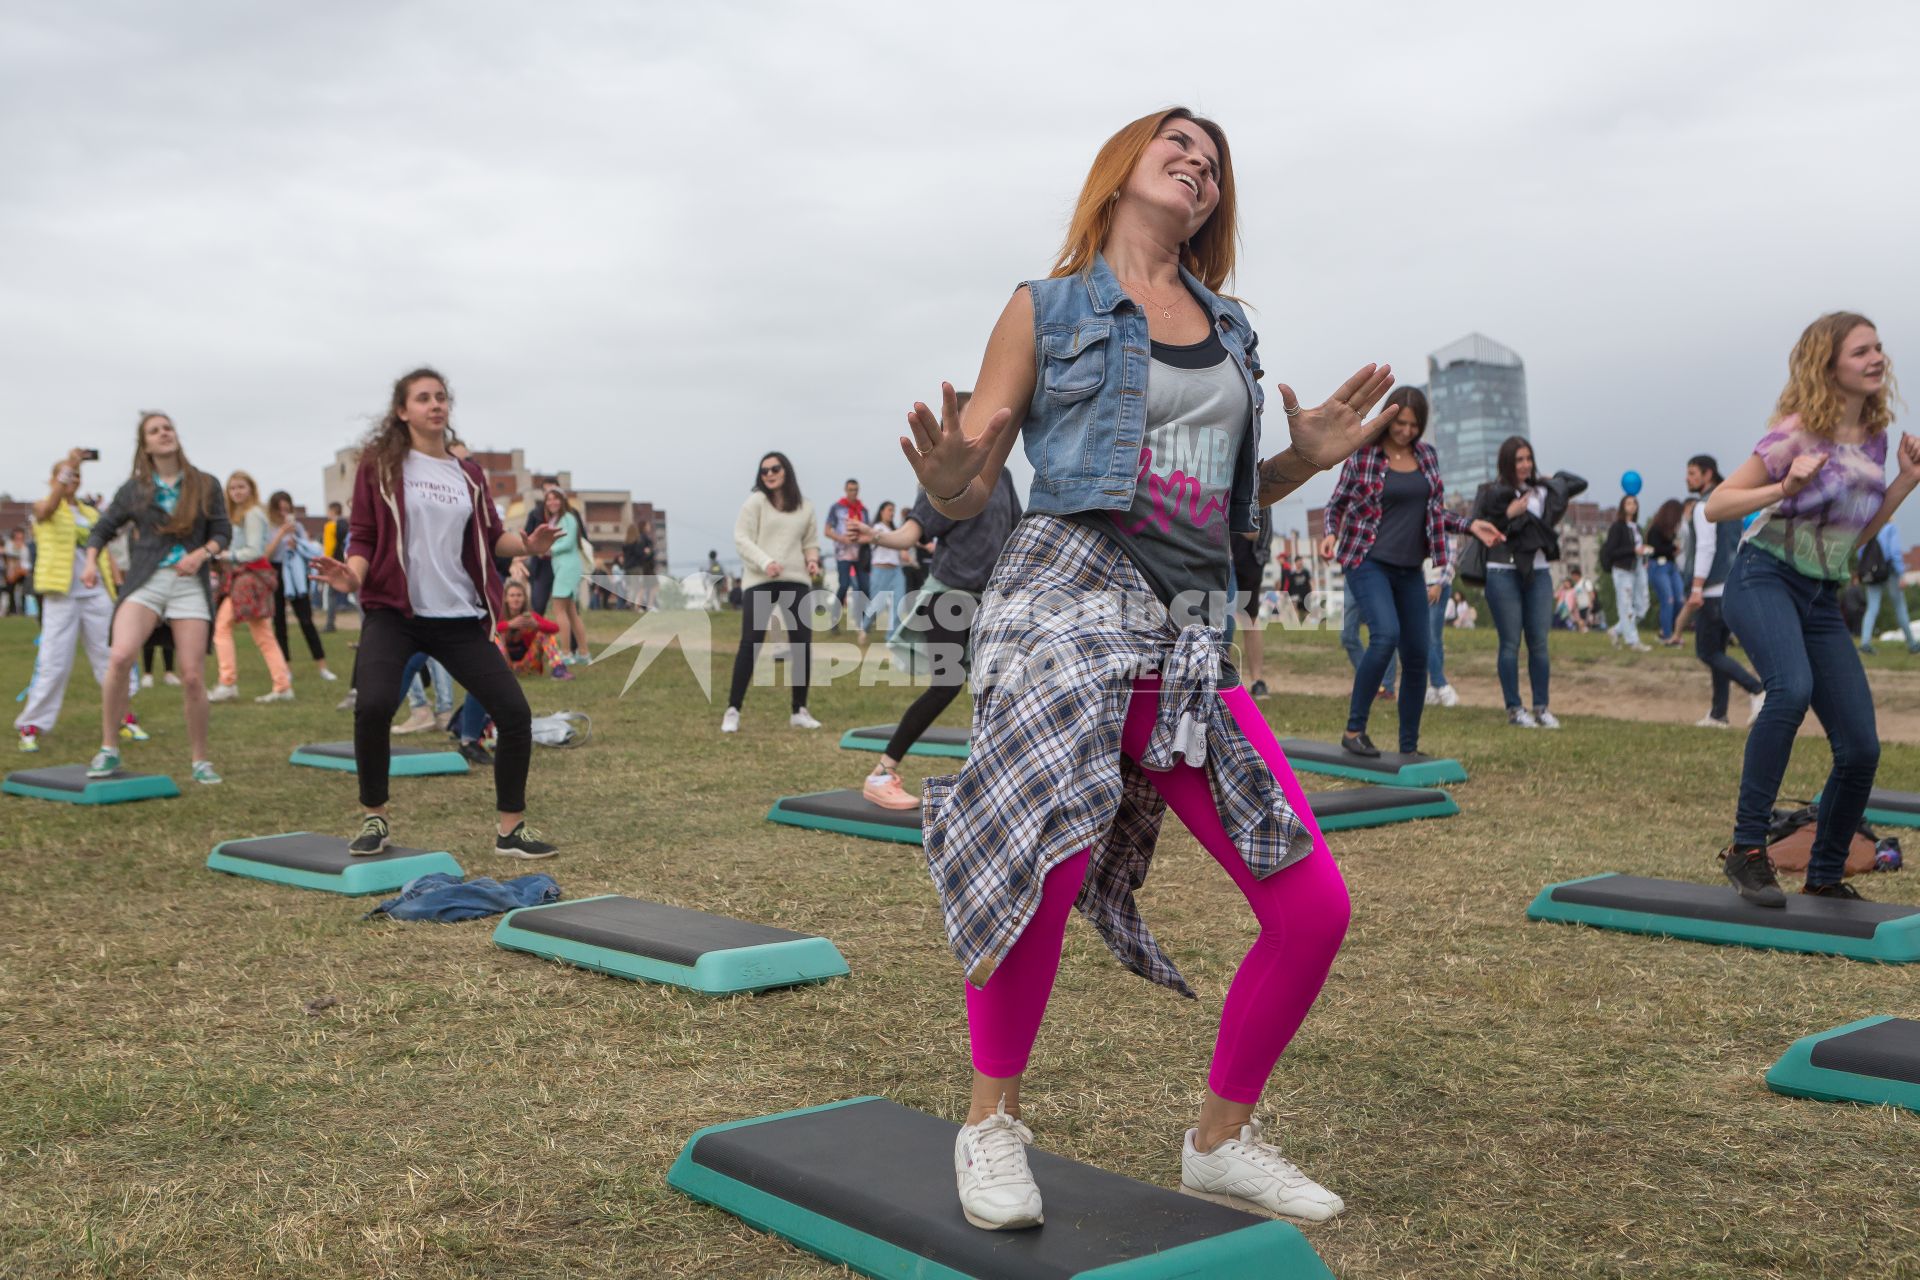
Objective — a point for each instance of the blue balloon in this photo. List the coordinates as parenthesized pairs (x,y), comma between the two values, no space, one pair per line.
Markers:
(1630,484)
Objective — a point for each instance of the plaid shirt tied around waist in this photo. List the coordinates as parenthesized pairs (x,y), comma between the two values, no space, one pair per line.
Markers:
(1354,510)
(1065,627)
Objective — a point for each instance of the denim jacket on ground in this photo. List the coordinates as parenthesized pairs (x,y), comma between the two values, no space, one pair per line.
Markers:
(1088,418)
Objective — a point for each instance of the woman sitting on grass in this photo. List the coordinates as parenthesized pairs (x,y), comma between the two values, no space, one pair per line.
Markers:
(526,638)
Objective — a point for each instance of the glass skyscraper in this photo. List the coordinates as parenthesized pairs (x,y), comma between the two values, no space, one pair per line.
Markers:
(1478,395)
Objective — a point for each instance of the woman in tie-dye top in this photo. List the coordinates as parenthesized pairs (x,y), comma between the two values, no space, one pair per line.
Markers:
(1819,477)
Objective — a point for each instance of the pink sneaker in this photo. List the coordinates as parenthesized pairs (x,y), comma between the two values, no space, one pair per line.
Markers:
(884,789)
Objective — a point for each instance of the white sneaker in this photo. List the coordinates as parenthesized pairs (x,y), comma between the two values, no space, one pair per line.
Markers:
(278,695)
(223,693)
(801,720)
(1640,646)
(1544,718)
(1433,696)
(1521,718)
(146,680)
(1755,701)
(997,1192)
(170,678)
(730,722)
(327,675)
(1708,722)
(420,718)
(1247,1173)
(1448,698)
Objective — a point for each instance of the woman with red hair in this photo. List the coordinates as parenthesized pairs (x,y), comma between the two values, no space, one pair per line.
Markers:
(1102,692)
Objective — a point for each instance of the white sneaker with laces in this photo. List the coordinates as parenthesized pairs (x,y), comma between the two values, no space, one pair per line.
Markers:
(223,693)
(1521,718)
(1448,698)
(1433,696)
(1247,1173)
(730,722)
(801,720)
(1545,718)
(327,675)
(278,695)
(1755,701)
(997,1191)
(1709,722)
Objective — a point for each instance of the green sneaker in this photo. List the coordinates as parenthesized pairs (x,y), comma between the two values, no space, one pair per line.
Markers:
(105,763)
(204,775)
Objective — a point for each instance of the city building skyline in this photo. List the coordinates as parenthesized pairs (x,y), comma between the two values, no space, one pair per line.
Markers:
(1477,393)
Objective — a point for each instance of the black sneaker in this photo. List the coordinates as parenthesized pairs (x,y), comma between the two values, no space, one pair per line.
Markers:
(475,754)
(372,838)
(523,842)
(1843,891)
(1751,871)
(1360,744)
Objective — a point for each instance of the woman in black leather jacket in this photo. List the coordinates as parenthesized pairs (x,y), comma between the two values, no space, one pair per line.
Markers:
(1528,510)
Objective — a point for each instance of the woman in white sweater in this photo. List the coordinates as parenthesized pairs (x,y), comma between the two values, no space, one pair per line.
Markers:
(779,547)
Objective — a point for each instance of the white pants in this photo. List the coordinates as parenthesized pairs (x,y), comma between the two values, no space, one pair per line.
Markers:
(1629,601)
(65,619)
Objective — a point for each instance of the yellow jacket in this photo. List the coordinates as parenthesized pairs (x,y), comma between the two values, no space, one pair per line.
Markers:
(55,539)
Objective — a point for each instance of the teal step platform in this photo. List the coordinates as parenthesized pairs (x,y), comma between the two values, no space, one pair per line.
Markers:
(936,741)
(308,861)
(405,762)
(868,1183)
(1891,808)
(69,784)
(849,813)
(653,942)
(1874,1060)
(1884,931)
(1350,807)
(1390,767)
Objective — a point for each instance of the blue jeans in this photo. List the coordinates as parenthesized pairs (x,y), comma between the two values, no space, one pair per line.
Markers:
(1350,621)
(889,588)
(1664,581)
(852,580)
(1893,589)
(416,695)
(1437,638)
(1791,627)
(1394,600)
(1517,610)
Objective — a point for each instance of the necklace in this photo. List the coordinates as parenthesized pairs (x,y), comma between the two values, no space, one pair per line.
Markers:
(1166,308)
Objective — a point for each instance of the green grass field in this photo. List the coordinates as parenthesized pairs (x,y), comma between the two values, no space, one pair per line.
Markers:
(1492,1097)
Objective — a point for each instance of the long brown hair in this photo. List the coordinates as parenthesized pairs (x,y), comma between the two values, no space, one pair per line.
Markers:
(385,447)
(1666,521)
(195,484)
(1811,391)
(1209,254)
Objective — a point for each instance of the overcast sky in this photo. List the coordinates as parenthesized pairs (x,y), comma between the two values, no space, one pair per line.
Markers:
(647,242)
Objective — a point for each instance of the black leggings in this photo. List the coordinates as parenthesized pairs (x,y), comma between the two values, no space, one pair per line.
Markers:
(387,640)
(303,613)
(758,607)
(161,638)
(949,621)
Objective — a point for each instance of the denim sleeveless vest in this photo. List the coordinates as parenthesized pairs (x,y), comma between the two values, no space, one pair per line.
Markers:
(1088,417)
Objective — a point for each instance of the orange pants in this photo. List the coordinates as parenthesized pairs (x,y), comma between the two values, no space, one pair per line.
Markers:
(262,631)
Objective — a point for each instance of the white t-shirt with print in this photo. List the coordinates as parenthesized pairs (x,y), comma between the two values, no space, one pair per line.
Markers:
(437,510)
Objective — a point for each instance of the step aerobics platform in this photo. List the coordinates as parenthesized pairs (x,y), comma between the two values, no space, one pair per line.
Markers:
(653,942)
(1875,1060)
(1346,808)
(404,762)
(849,813)
(1308,756)
(308,861)
(1884,931)
(1893,808)
(69,784)
(936,741)
(869,1183)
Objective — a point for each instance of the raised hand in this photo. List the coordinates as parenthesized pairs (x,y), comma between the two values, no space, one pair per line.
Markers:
(1331,433)
(333,573)
(540,539)
(943,459)
(1802,471)
(1909,456)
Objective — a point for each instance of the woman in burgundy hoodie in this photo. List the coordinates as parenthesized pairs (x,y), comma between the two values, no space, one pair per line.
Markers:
(424,537)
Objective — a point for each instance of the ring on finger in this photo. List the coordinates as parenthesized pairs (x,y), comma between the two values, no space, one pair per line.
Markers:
(1292,411)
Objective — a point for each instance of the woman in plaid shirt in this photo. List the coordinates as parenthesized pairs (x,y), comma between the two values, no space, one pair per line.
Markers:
(1099,663)
(1388,513)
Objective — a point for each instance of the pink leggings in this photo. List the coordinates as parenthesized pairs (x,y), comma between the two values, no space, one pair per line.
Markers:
(1302,910)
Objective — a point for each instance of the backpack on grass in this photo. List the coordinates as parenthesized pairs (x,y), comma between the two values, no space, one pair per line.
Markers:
(1790,844)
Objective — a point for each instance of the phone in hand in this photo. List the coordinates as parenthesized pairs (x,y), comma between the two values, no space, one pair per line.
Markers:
(89,455)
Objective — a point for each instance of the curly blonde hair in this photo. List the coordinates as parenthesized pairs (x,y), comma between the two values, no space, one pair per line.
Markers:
(1811,391)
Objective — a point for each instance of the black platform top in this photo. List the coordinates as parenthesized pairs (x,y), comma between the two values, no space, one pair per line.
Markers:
(305,851)
(1898,801)
(652,929)
(887,1171)
(944,735)
(68,777)
(851,806)
(1337,802)
(344,750)
(1692,901)
(1888,1050)
(1334,753)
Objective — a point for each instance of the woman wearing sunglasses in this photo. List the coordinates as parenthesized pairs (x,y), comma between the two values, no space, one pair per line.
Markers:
(780,556)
